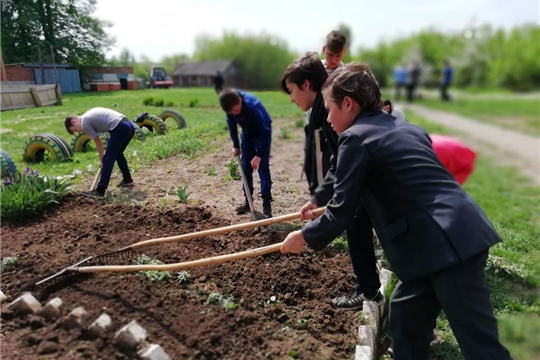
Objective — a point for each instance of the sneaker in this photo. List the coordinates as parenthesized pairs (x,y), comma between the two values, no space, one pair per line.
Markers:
(267,211)
(94,194)
(243,209)
(125,183)
(355,301)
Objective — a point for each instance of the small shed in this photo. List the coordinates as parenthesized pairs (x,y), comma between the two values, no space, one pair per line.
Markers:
(202,73)
(110,78)
(30,74)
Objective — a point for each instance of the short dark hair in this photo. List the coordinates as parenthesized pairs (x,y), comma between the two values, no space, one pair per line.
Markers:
(228,99)
(356,81)
(389,103)
(308,67)
(68,124)
(336,41)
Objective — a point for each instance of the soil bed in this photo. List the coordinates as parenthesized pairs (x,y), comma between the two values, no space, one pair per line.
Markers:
(175,315)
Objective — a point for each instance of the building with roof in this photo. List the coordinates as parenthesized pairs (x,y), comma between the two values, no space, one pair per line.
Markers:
(202,73)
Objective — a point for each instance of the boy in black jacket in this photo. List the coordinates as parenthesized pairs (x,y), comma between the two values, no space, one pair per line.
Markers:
(303,81)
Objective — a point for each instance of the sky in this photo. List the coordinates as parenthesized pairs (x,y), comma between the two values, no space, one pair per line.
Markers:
(159,28)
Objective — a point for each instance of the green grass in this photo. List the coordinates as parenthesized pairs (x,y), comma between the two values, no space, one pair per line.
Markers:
(513,268)
(521,115)
(205,123)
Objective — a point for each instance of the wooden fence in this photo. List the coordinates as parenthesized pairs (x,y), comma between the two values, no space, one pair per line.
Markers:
(28,96)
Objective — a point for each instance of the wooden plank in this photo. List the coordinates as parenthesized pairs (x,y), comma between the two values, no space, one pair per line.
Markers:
(37,99)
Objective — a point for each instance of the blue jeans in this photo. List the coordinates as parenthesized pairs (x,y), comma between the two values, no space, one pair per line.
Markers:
(119,140)
(248,153)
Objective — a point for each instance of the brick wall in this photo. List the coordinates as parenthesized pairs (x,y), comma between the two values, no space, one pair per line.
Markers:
(16,72)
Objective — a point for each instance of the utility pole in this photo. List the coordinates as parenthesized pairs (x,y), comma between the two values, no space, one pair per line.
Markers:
(54,65)
(41,67)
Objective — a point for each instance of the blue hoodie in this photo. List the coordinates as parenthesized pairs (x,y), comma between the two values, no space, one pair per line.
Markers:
(255,122)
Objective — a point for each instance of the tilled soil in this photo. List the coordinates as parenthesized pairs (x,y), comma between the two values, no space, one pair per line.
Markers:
(175,315)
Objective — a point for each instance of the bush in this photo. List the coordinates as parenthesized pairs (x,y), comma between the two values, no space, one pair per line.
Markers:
(29,194)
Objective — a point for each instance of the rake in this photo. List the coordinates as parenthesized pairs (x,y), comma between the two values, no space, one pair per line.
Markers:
(128,253)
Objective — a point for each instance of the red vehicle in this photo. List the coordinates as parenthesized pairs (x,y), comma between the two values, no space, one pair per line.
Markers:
(159,79)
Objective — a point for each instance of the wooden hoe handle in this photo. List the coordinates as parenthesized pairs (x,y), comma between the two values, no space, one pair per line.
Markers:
(183,265)
(98,174)
(221,230)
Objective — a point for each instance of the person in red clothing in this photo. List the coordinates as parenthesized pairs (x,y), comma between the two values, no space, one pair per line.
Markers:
(457,158)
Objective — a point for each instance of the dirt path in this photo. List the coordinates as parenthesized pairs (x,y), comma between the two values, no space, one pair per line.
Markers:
(206,178)
(503,146)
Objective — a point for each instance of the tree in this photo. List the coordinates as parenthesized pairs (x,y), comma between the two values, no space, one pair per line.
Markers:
(171,62)
(66,25)
(262,59)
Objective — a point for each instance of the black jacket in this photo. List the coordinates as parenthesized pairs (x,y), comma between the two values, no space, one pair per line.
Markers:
(423,218)
(329,143)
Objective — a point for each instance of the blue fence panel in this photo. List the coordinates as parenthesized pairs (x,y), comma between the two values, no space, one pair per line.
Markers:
(68,79)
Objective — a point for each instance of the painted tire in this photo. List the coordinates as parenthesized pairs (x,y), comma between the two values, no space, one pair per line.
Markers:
(68,151)
(152,122)
(80,142)
(39,144)
(139,133)
(9,170)
(179,119)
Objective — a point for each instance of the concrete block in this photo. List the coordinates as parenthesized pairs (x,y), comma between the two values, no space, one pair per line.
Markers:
(51,310)
(26,304)
(98,327)
(153,352)
(131,335)
(363,353)
(74,319)
(384,276)
(370,310)
(366,337)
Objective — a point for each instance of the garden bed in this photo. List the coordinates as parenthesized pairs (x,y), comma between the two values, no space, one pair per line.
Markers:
(280,304)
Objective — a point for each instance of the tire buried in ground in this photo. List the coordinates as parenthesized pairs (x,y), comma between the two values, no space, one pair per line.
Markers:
(9,170)
(80,142)
(38,146)
(176,116)
(139,133)
(152,122)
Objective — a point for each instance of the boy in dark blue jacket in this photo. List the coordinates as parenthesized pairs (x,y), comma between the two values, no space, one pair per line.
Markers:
(247,111)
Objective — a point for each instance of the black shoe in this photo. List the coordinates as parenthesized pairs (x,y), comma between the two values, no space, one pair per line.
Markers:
(125,183)
(243,209)
(94,194)
(355,301)
(267,211)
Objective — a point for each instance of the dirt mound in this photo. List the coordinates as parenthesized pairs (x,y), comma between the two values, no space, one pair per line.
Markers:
(282,301)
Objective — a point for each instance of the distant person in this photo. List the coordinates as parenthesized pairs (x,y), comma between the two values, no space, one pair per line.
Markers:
(390,109)
(246,110)
(334,50)
(100,120)
(218,82)
(413,81)
(400,81)
(447,78)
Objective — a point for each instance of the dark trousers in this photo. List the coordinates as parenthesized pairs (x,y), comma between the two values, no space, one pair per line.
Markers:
(410,92)
(445,96)
(397,91)
(462,293)
(248,153)
(119,140)
(364,263)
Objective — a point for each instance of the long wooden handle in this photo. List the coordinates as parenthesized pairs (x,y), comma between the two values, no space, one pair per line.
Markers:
(98,174)
(199,234)
(246,189)
(183,265)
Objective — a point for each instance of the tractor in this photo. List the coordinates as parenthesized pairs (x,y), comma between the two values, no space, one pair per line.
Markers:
(159,79)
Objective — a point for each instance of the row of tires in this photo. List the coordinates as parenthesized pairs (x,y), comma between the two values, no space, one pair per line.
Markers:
(41,147)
